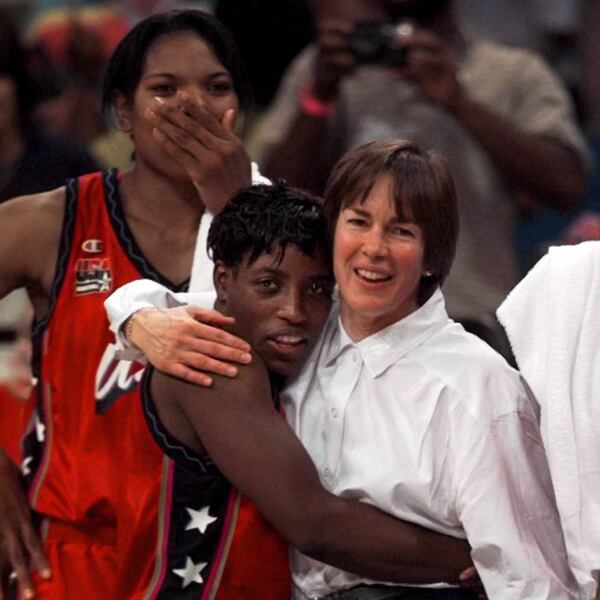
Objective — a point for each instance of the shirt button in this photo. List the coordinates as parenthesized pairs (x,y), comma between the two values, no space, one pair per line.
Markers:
(334,413)
(327,473)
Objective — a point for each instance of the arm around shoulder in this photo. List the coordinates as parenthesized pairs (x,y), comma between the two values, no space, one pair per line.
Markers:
(258,452)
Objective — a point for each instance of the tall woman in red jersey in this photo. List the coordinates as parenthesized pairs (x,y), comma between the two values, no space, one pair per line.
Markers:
(175,85)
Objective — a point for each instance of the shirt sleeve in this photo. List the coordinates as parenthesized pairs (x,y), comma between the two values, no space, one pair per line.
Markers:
(144,293)
(505,502)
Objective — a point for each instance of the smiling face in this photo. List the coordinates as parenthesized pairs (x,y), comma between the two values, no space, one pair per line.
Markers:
(178,68)
(280,306)
(377,261)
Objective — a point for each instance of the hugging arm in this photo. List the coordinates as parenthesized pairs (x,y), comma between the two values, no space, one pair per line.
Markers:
(182,338)
(258,452)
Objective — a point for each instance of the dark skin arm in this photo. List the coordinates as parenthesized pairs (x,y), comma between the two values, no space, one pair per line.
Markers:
(258,452)
(296,157)
(553,173)
(30,264)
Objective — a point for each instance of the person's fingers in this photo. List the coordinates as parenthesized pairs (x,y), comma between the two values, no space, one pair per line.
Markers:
(467,575)
(200,120)
(423,61)
(187,374)
(421,38)
(189,159)
(190,120)
(209,316)
(228,120)
(339,61)
(205,331)
(183,139)
(336,26)
(209,366)
(17,560)
(216,350)
(34,548)
(333,42)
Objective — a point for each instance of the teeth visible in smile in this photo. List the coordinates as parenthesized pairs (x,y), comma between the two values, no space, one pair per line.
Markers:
(372,275)
(288,339)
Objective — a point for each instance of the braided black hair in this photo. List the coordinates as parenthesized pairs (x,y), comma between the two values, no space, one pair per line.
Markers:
(266,219)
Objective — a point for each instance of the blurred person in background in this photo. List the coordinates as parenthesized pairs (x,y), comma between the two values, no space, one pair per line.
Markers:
(32,160)
(270,34)
(498,114)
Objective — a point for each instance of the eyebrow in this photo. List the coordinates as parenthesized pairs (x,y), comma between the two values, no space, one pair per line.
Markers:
(213,74)
(359,211)
(269,271)
(365,213)
(280,273)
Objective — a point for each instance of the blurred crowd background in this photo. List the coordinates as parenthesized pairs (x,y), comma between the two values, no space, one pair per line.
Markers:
(52,58)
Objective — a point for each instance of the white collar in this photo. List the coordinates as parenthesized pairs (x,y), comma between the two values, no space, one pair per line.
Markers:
(382,349)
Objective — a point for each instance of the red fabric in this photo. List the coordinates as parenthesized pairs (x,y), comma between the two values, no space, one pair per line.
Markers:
(256,563)
(76,487)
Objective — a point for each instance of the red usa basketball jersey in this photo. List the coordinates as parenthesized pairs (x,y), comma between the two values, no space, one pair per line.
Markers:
(72,447)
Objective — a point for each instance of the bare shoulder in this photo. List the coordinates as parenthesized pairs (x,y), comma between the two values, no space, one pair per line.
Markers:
(190,412)
(40,209)
(29,242)
(250,385)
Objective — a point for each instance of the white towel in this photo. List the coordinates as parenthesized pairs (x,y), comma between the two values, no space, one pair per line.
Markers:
(552,319)
(202,267)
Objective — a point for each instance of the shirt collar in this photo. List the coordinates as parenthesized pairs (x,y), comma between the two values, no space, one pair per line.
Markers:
(382,349)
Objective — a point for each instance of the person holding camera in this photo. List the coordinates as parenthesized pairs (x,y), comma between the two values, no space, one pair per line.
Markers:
(404,68)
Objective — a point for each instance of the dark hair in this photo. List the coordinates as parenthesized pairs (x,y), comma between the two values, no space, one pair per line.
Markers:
(423,193)
(126,64)
(13,64)
(265,218)
(258,26)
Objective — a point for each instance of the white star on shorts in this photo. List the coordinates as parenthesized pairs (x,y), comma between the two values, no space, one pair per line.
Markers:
(25,466)
(191,572)
(40,429)
(199,519)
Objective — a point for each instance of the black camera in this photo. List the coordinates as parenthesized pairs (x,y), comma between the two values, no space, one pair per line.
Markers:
(378,42)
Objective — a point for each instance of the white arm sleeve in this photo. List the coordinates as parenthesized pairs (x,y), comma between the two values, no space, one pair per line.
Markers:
(145,293)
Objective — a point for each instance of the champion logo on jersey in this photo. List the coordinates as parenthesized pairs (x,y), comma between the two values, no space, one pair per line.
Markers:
(92,246)
(92,276)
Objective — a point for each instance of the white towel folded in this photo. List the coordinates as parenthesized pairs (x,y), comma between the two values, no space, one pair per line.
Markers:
(552,319)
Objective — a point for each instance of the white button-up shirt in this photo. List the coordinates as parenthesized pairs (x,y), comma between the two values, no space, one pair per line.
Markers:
(426,422)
